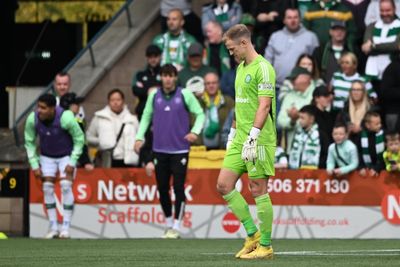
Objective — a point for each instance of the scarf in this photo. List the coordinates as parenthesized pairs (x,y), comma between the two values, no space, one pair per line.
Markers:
(328,5)
(379,146)
(221,13)
(382,33)
(166,54)
(218,99)
(306,149)
(223,57)
(211,126)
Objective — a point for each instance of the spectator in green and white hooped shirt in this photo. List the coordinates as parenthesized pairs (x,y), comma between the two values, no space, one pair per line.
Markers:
(175,42)
(310,144)
(342,80)
(381,40)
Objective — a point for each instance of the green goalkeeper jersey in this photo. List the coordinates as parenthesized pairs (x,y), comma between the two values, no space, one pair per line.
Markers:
(252,81)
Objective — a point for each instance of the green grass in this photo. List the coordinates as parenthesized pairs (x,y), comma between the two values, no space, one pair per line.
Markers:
(191,252)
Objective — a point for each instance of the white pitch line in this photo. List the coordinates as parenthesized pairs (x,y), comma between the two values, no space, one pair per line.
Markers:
(367,252)
(336,254)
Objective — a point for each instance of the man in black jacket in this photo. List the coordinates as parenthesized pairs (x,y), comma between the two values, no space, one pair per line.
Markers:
(328,56)
(324,115)
(143,83)
(146,80)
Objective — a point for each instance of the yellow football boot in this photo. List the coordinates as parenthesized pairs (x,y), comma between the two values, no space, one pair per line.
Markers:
(260,252)
(250,244)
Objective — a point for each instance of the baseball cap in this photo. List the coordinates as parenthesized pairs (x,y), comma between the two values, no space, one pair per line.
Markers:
(195,49)
(69,99)
(298,71)
(321,91)
(153,50)
(338,24)
(248,19)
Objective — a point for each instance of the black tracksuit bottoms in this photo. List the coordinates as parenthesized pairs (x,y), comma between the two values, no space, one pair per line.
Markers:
(165,166)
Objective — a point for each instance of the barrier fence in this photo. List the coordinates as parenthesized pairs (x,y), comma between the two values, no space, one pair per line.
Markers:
(123,203)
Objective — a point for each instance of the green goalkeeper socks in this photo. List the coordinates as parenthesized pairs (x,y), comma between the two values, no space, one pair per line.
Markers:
(240,208)
(265,216)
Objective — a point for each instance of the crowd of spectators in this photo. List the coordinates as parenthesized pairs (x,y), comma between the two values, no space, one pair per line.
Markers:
(337,69)
(337,89)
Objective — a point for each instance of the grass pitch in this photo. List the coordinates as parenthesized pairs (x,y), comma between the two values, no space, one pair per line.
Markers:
(194,252)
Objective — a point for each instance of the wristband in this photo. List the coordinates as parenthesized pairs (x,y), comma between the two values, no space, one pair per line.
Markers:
(254,132)
(232,133)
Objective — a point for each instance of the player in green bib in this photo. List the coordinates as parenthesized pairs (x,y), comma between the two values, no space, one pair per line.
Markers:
(251,142)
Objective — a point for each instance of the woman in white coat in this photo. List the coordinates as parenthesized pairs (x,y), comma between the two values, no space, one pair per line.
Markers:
(113,130)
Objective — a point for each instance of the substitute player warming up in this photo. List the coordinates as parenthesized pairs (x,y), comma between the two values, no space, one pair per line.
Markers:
(251,143)
(61,141)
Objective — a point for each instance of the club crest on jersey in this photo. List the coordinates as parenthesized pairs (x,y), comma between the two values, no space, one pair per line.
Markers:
(248,78)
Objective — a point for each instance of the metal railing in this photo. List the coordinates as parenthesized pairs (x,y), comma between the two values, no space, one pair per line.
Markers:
(89,47)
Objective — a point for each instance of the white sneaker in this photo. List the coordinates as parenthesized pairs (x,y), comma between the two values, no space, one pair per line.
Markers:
(51,234)
(170,234)
(166,233)
(64,234)
(174,234)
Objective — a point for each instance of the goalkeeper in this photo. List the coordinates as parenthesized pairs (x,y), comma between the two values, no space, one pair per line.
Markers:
(251,142)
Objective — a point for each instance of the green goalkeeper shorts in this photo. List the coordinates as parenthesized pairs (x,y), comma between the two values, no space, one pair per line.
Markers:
(263,167)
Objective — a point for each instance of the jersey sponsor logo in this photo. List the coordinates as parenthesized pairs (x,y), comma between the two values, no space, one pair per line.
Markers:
(242,100)
(265,86)
(248,78)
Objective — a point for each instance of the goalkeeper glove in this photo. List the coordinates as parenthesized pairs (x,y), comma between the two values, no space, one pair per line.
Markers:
(249,150)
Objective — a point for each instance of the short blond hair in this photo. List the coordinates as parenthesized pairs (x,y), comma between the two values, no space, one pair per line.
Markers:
(236,32)
(392,137)
(352,57)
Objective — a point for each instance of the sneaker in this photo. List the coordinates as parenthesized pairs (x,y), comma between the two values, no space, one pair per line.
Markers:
(165,235)
(250,244)
(64,234)
(51,234)
(260,252)
(171,234)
